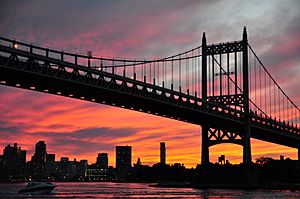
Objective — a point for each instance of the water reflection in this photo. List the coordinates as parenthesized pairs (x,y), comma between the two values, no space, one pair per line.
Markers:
(139,190)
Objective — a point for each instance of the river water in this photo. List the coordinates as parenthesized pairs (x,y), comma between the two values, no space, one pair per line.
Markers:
(139,190)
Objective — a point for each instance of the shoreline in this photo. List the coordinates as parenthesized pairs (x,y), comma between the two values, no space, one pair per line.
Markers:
(291,187)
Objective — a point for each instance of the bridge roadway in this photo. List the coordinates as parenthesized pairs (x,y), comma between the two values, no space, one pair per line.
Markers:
(53,76)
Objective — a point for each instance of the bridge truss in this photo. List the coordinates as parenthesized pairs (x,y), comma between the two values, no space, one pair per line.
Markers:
(223,87)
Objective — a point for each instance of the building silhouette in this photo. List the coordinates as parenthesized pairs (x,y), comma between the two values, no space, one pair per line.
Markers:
(39,156)
(67,170)
(123,161)
(13,161)
(102,161)
(64,159)
(52,169)
(50,157)
(123,157)
(38,161)
(100,170)
(13,167)
(163,153)
(138,162)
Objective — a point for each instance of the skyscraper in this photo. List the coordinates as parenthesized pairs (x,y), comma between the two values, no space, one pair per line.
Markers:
(39,160)
(39,156)
(102,160)
(123,161)
(163,153)
(14,160)
(123,157)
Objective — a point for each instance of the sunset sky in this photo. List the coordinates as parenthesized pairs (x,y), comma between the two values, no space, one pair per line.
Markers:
(139,29)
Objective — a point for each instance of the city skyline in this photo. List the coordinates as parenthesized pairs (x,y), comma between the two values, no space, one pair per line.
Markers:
(72,126)
(41,154)
(102,158)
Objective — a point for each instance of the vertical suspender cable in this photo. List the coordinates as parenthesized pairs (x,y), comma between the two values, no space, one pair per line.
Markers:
(270,96)
(274,100)
(220,74)
(241,73)
(124,69)
(164,71)
(279,102)
(213,75)
(150,73)
(288,110)
(260,89)
(142,69)
(235,73)
(134,72)
(145,71)
(154,73)
(209,77)
(192,73)
(200,69)
(266,110)
(179,73)
(172,76)
(186,72)
(255,80)
(228,85)
(158,73)
(250,81)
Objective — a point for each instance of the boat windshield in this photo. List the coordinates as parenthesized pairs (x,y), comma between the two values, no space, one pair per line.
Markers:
(31,184)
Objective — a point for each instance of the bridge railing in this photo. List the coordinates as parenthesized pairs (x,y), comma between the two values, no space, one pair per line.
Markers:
(180,72)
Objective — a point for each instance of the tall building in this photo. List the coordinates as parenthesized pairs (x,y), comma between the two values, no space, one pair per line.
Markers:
(163,153)
(81,168)
(23,156)
(14,155)
(123,161)
(123,157)
(14,160)
(102,161)
(65,168)
(39,156)
(38,161)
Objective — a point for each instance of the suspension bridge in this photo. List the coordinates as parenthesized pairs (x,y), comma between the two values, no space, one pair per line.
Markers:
(224,88)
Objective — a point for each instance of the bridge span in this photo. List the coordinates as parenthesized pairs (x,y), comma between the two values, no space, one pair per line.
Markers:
(222,87)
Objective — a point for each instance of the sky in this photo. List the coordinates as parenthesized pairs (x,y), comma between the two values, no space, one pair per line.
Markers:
(139,29)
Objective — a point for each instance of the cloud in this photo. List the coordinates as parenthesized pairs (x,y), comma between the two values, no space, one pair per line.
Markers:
(90,133)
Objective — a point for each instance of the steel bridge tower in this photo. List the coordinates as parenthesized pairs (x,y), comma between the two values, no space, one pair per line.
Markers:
(221,99)
(214,134)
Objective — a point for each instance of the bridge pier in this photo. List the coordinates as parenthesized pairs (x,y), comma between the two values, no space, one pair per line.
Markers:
(247,159)
(205,146)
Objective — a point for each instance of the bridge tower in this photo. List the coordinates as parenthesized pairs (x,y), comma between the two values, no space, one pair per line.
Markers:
(238,97)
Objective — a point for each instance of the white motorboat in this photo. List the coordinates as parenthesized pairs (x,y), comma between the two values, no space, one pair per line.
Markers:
(38,188)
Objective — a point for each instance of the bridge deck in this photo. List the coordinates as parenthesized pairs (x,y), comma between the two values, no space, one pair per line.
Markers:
(48,75)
